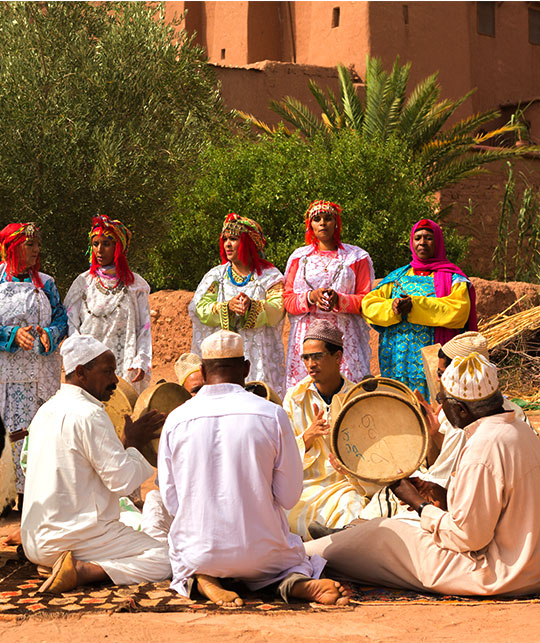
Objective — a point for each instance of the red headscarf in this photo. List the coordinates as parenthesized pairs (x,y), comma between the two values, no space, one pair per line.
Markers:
(12,238)
(322,207)
(102,225)
(442,270)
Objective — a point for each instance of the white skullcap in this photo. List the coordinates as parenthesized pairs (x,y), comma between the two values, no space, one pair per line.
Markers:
(470,378)
(466,343)
(186,365)
(79,350)
(222,345)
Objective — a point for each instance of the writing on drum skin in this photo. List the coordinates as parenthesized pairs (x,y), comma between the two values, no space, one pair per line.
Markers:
(369,424)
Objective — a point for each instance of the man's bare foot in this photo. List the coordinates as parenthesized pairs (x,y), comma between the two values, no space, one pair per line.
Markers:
(211,588)
(14,538)
(322,590)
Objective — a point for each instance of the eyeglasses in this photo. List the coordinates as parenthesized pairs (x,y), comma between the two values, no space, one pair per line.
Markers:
(316,357)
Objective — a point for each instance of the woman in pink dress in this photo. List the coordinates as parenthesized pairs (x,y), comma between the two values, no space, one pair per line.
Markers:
(327,279)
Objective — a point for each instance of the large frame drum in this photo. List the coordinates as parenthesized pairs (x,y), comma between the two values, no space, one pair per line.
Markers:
(380,436)
(120,404)
(163,397)
(263,390)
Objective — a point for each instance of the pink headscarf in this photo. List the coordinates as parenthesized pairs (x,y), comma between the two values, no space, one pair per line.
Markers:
(442,270)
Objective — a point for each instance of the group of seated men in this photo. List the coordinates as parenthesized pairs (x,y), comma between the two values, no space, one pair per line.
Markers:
(238,493)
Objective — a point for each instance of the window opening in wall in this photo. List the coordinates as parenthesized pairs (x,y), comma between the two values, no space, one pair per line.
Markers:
(223,54)
(485,18)
(335,17)
(534,27)
(405,8)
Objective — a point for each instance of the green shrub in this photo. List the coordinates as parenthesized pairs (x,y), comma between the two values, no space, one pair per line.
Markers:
(273,180)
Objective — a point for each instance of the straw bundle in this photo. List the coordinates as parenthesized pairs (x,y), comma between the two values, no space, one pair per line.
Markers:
(502,328)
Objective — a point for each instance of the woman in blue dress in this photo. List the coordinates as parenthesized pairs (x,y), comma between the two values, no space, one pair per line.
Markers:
(428,301)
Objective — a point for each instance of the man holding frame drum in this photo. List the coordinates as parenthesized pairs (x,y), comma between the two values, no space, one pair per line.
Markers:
(475,538)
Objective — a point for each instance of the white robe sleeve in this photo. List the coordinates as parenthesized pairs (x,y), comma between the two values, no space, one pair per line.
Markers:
(120,470)
(143,358)
(288,473)
(167,486)
(73,303)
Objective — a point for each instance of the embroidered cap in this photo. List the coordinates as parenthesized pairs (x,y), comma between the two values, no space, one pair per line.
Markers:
(78,350)
(466,343)
(186,365)
(324,331)
(323,207)
(470,378)
(223,344)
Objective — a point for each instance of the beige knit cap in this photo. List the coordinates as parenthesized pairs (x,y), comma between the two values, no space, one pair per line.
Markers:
(466,343)
(470,378)
(185,365)
(222,344)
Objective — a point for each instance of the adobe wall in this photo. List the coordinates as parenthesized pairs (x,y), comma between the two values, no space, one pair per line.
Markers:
(486,192)
(251,88)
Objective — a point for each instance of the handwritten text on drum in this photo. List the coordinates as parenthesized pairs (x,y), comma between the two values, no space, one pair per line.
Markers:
(369,424)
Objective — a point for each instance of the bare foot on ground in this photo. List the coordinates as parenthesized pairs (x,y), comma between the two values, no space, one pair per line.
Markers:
(14,538)
(211,588)
(322,590)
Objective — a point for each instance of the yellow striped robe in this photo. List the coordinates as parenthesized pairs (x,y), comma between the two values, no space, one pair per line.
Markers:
(328,496)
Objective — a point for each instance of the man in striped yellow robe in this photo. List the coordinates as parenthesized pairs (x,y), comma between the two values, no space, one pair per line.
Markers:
(328,497)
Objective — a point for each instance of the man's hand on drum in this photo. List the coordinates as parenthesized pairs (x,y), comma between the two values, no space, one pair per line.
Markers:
(318,429)
(139,432)
(415,491)
(336,464)
(239,304)
(431,492)
(402,305)
(24,338)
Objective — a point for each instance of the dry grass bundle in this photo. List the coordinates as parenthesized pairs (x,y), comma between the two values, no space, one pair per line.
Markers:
(514,343)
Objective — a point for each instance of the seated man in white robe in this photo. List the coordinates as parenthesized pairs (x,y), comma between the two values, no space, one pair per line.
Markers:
(228,466)
(482,537)
(77,471)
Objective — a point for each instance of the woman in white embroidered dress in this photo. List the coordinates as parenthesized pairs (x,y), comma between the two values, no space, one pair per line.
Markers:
(33,322)
(244,294)
(327,279)
(110,302)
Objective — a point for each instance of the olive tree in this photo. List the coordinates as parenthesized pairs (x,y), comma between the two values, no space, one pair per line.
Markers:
(105,108)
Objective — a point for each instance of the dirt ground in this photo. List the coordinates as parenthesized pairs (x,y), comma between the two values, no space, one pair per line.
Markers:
(383,622)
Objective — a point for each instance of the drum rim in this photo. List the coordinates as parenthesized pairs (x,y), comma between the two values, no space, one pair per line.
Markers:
(272,396)
(383,380)
(335,428)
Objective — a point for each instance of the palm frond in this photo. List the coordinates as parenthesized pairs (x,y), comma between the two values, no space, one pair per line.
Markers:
(352,105)
(252,120)
(296,113)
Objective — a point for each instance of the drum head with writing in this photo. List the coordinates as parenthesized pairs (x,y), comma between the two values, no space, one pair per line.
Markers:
(380,437)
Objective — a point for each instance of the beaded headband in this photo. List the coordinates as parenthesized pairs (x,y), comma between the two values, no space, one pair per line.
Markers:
(236,225)
(102,224)
(322,207)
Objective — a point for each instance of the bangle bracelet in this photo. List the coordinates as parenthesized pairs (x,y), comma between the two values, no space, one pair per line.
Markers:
(421,507)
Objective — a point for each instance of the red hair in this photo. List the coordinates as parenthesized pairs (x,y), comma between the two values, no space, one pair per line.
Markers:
(12,238)
(247,254)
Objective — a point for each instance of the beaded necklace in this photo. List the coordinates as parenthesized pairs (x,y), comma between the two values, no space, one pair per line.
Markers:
(230,274)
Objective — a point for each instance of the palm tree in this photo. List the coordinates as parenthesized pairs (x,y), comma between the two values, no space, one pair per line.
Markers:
(446,155)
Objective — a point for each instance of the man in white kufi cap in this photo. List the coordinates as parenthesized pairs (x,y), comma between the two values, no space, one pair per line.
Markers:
(446,440)
(77,470)
(228,466)
(482,536)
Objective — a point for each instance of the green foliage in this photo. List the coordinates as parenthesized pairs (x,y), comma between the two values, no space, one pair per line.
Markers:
(105,109)
(417,118)
(274,179)
(517,253)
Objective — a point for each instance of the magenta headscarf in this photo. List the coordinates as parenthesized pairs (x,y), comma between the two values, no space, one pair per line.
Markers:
(442,277)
